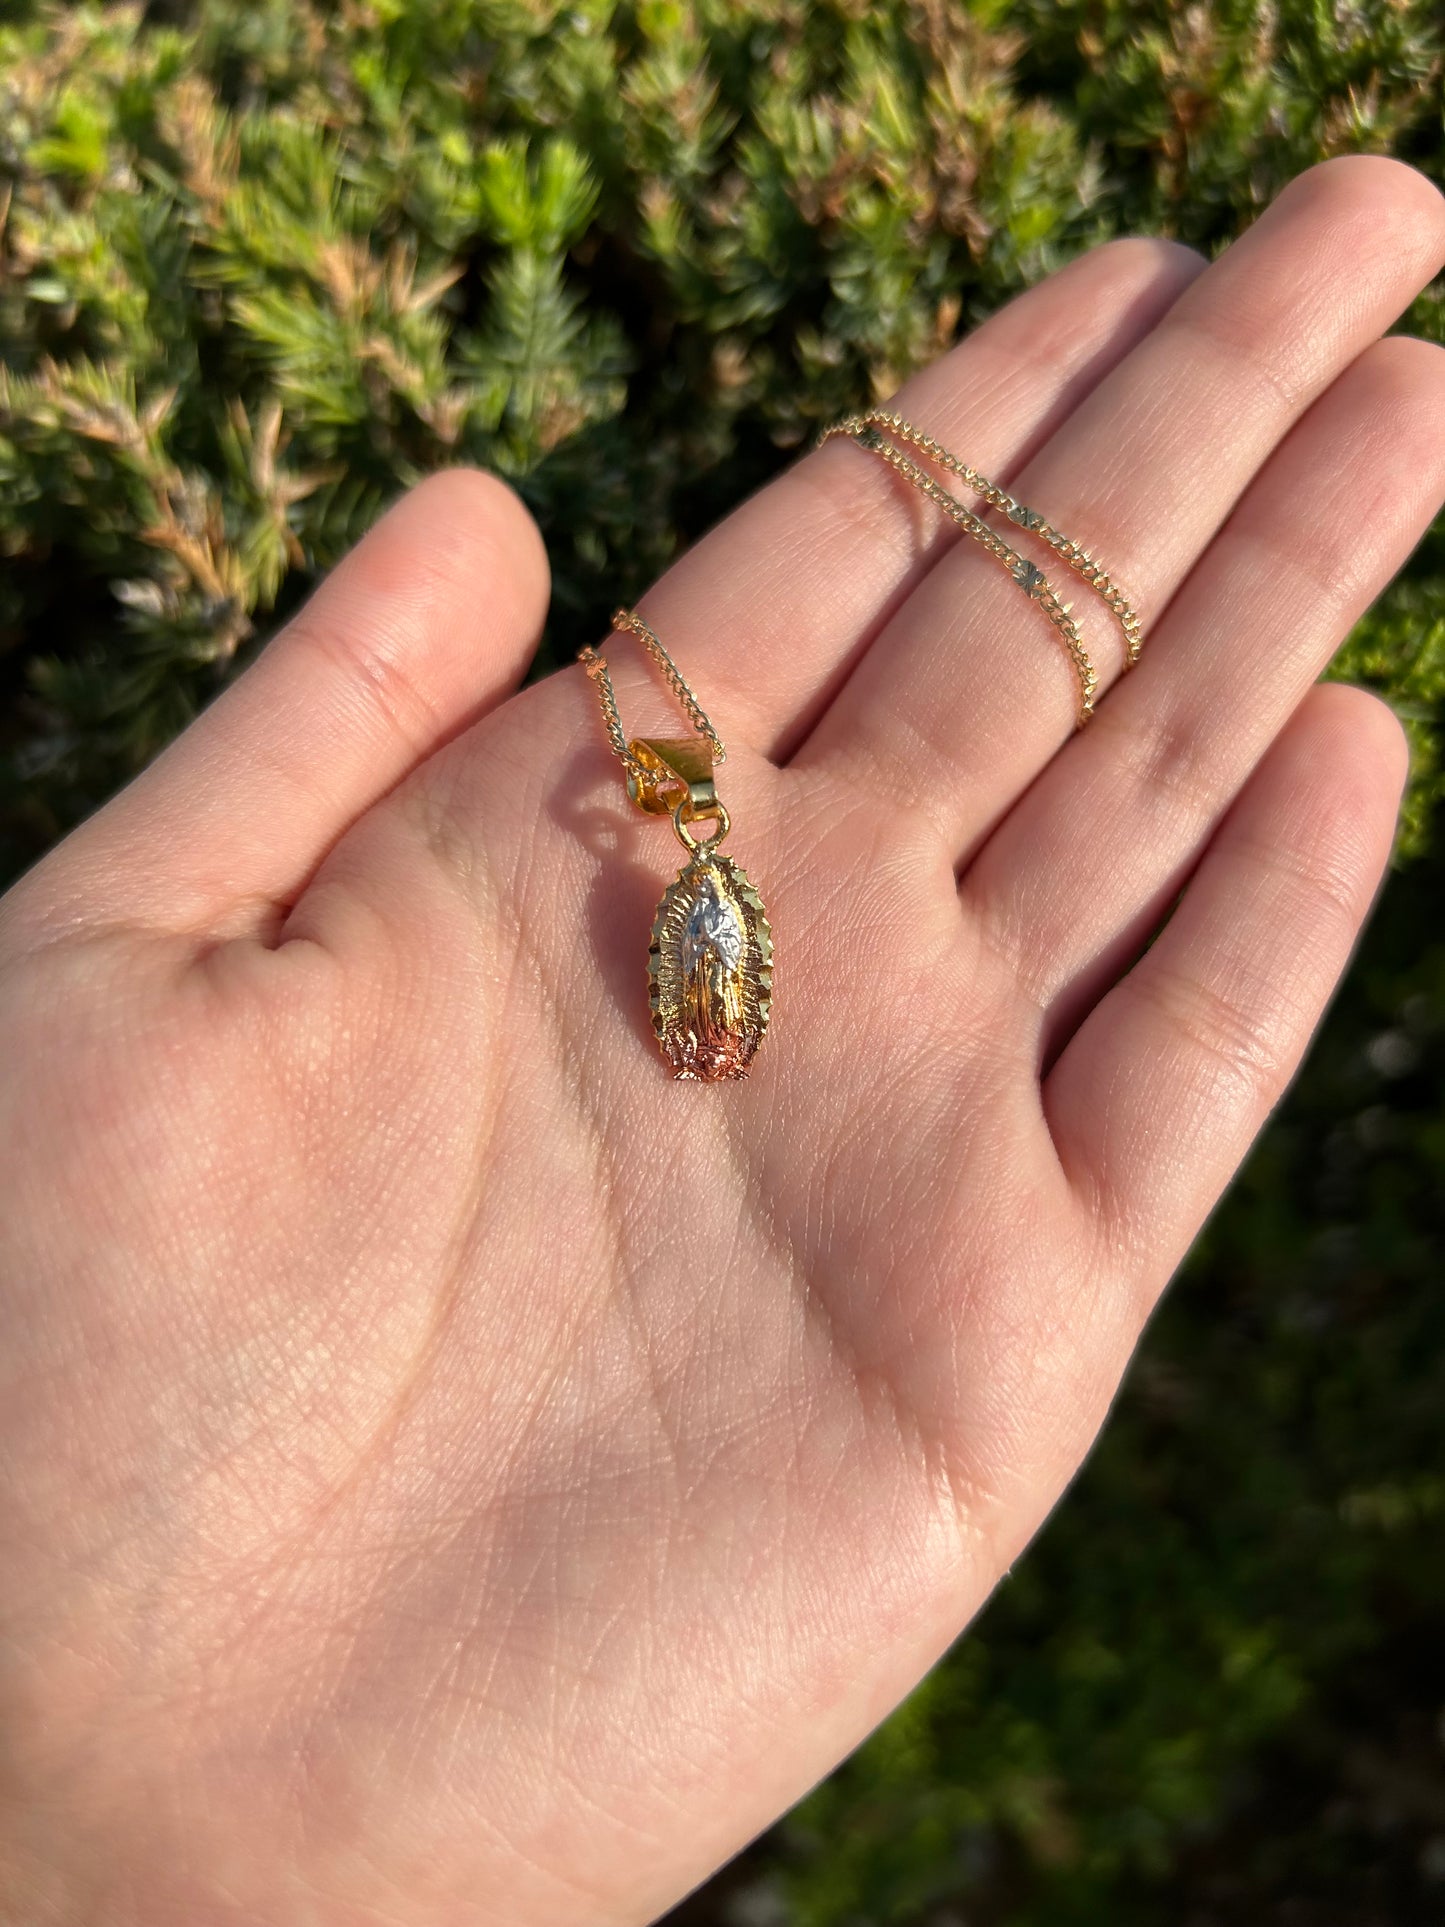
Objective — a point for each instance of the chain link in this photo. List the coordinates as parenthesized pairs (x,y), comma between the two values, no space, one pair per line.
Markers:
(595,663)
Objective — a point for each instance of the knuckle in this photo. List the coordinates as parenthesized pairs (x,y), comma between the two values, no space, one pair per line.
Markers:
(1234,1041)
(372,662)
(1173,767)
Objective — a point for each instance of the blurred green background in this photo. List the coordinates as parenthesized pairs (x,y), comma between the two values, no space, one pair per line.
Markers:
(261,265)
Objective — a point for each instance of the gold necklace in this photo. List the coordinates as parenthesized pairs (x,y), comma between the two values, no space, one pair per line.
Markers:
(872,429)
(710,961)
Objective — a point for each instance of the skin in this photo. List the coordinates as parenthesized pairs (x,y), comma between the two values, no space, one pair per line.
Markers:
(450,1473)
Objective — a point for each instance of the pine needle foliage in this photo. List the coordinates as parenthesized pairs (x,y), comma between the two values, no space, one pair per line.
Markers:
(265,262)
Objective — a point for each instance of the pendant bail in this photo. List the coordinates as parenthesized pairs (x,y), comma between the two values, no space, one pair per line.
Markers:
(699,846)
(668,768)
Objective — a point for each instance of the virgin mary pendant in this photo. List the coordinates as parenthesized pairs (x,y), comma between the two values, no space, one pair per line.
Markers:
(710,968)
(710,962)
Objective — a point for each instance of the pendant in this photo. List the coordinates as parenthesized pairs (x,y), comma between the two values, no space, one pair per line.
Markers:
(710,968)
(710,962)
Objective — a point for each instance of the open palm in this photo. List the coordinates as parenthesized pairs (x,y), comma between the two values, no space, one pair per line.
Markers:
(450,1472)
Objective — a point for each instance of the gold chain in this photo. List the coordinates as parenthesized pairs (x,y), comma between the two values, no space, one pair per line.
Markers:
(595,664)
(866,429)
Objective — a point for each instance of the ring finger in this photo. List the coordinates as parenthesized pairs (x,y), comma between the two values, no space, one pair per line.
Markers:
(1076,878)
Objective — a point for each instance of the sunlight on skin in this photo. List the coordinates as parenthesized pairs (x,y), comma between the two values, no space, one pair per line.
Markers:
(450,1472)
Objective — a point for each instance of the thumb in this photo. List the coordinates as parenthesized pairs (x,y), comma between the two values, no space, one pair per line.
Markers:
(427,624)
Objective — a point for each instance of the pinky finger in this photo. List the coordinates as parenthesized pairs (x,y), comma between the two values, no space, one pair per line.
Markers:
(1160,1093)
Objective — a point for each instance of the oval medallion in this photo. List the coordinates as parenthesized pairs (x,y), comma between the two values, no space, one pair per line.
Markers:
(710,970)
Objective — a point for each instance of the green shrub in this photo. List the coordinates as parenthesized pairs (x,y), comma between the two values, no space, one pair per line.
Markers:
(264,263)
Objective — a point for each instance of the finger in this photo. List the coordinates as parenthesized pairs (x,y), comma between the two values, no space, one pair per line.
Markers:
(767,611)
(1156,1100)
(430,621)
(1077,875)
(965,695)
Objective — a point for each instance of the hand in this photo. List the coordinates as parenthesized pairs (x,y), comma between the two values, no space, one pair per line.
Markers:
(450,1472)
